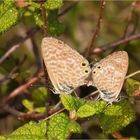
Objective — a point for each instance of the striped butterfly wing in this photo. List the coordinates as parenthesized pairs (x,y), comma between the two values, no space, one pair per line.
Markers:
(108,75)
(67,69)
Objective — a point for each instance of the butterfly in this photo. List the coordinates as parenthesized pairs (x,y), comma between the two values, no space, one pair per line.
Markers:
(108,75)
(67,69)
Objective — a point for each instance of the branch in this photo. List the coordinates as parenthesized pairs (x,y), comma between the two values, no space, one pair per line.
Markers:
(13,48)
(12,111)
(116,43)
(43,13)
(119,136)
(129,19)
(36,53)
(21,88)
(102,5)
(132,74)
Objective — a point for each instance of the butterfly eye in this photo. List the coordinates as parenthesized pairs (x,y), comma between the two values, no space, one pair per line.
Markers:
(83,64)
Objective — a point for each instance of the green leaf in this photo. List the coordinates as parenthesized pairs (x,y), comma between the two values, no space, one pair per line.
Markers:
(131,86)
(30,131)
(8,15)
(40,109)
(117,116)
(98,105)
(38,18)
(2,138)
(85,111)
(91,108)
(53,4)
(60,127)
(28,104)
(114,110)
(55,28)
(71,103)
(40,96)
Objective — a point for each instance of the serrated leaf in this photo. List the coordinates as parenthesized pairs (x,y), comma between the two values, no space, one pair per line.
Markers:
(8,15)
(91,108)
(28,104)
(131,86)
(111,121)
(85,111)
(53,4)
(114,110)
(99,106)
(74,127)
(60,127)
(71,103)
(30,131)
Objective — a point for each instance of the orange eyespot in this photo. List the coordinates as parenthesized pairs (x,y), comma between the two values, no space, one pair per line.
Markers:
(98,67)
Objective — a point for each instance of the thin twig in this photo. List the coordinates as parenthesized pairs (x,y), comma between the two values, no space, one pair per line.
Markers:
(12,111)
(129,19)
(115,43)
(54,114)
(43,13)
(21,88)
(36,53)
(132,74)
(93,93)
(92,43)
(13,48)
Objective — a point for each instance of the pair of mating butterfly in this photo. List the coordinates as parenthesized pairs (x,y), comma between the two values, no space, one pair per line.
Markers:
(68,70)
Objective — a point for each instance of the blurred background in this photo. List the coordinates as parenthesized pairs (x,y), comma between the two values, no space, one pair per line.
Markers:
(75,26)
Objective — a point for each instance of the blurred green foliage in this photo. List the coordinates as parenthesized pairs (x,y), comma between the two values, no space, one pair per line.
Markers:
(76,27)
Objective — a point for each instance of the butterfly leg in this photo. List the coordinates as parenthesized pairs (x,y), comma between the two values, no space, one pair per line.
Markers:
(97,98)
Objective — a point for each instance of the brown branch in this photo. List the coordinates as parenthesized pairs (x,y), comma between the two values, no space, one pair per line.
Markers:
(13,48)
(43,13)
(116,43)
(129,19)
(12,111)
(21,88)
(36,53)
(24,116)
(92,43)
(119,136)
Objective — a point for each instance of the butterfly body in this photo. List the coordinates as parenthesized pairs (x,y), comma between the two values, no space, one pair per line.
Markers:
(108,75)
(67,69)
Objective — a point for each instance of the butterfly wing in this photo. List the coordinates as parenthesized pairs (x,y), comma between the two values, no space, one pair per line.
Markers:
(108,75)
(64,65)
